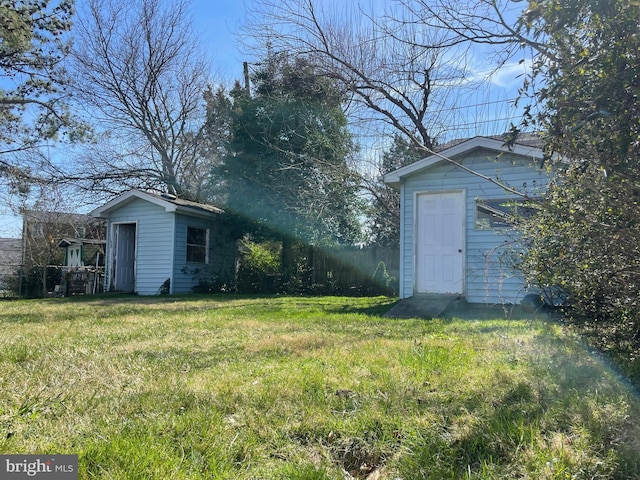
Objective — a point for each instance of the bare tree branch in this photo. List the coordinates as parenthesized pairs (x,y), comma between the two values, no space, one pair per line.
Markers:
(403,66)
(141,72)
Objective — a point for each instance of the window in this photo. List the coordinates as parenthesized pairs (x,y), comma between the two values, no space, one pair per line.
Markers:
(37,230)
(500,213)
(197,245)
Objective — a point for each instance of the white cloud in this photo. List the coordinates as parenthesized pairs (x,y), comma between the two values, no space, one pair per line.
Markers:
(511,74)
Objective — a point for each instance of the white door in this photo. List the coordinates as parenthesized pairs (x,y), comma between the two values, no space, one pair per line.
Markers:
(125,257)
(440,242)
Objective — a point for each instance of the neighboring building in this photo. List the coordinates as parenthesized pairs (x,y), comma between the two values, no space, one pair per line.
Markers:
(10,261)
(83,265)
(42,230)
(42,236)
(454,232)
(162,244)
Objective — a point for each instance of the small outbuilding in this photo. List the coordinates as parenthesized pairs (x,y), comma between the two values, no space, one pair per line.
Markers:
(456,238)
(83,268)
(158,243)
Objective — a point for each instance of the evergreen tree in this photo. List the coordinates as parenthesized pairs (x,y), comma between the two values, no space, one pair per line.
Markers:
(286,168)
(33,43)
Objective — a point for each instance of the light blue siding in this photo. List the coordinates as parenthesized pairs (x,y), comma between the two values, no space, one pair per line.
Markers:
(221,259)
(154,243)
(160,255)
(188,274)
(488,277)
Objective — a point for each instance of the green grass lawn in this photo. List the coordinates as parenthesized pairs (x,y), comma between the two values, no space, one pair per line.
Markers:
(178,387)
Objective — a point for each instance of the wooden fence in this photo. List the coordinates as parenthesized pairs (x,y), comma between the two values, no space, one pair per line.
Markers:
(353,267)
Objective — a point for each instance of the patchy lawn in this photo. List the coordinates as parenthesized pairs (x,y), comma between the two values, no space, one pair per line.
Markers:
(229,387)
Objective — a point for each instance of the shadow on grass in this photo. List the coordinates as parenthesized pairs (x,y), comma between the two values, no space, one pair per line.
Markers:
(110,306)
(472,311)
(371,306)
(382,306)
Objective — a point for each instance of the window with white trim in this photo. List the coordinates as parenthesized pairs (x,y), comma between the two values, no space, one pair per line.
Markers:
(197,245)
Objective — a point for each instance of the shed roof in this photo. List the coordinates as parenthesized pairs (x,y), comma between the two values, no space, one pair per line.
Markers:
(68,241)
(170,203)
(528,147)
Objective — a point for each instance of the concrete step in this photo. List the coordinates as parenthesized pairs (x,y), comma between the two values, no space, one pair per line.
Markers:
(422,306)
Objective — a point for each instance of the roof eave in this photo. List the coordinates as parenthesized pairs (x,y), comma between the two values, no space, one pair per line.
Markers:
(105,210)
(395,178)
(194,211)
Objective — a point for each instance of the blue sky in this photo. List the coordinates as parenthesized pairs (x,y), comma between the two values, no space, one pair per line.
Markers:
(214,21)
(217,20)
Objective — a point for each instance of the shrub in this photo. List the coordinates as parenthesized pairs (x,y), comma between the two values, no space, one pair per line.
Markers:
(259,268)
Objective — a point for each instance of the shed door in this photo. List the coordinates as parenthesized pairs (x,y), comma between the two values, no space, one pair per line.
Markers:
(440,242)
(125,257)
